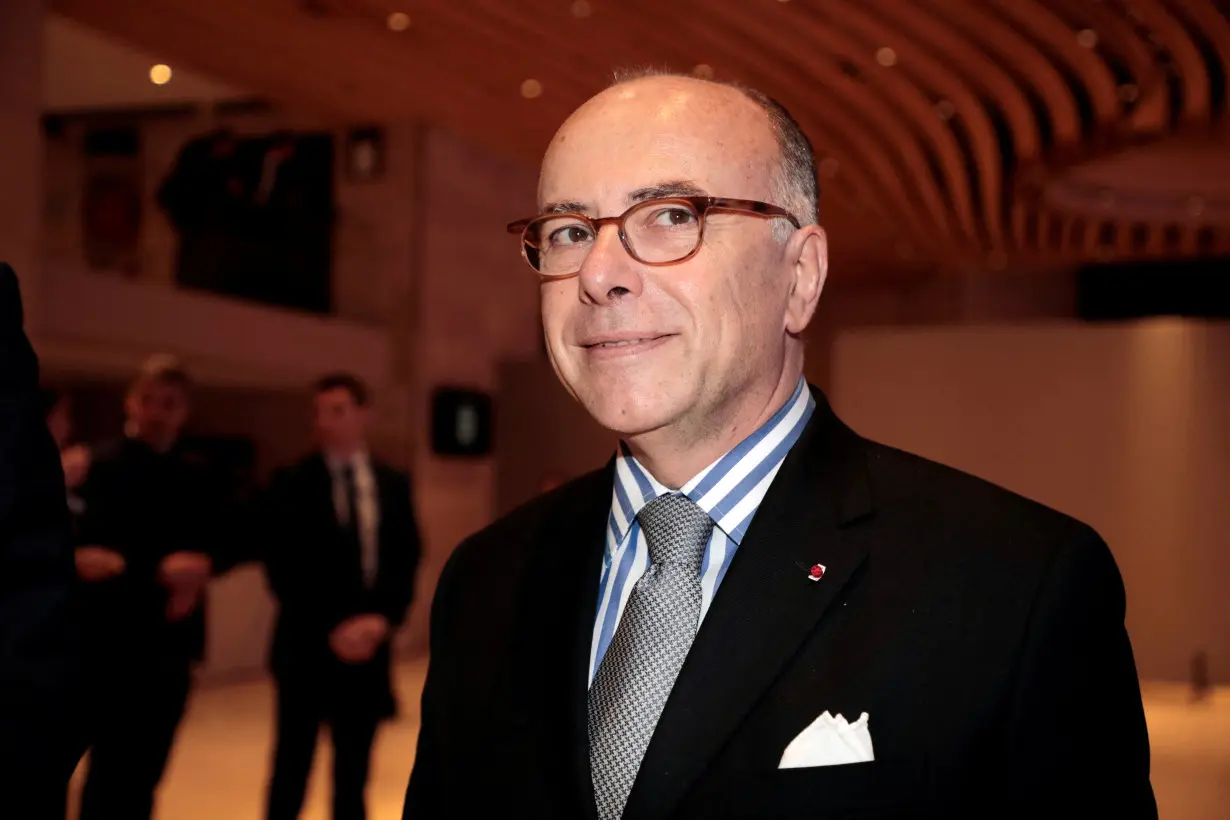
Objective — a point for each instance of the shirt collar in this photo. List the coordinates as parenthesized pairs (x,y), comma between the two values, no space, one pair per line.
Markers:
(712,488)
(357,461)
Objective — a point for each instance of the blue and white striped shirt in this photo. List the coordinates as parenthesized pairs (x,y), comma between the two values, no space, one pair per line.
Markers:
(730,490)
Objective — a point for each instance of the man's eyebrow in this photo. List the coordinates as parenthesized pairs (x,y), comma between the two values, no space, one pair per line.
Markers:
(674,187)
(566,206)
(671,188)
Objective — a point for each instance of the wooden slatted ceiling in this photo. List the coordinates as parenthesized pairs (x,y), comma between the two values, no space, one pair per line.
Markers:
(936,152)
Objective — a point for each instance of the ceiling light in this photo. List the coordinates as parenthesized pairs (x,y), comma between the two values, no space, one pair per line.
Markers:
(945,110)
(704,71)
(886,57)
(582,8)
(160,74)
(530,89)
(1087,38)
(399,21)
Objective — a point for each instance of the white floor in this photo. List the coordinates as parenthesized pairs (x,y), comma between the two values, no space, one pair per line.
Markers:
(220,762)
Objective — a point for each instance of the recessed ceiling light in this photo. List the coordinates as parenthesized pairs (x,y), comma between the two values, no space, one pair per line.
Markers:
(704,71)
(1087,38)
(160,74)
(531,88)
(886,57)
(582,8)
(399,21)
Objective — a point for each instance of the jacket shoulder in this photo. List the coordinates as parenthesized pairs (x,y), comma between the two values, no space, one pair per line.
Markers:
(507,540)
(967,508)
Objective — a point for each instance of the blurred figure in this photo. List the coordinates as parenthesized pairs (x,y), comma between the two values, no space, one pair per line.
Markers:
(40,653)
(145,559)
(206,197)
(341,549)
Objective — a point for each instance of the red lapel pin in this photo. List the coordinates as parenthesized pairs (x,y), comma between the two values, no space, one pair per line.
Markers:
(815,572)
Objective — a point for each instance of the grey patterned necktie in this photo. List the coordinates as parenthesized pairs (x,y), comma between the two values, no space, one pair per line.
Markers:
(647,651)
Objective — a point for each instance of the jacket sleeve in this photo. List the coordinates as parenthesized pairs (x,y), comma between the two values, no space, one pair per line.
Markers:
(40,651)
(1078,743)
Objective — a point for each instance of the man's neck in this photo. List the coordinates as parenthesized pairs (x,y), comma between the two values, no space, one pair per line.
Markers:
(674,456)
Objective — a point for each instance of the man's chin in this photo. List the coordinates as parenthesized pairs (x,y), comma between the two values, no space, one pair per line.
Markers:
(626,419)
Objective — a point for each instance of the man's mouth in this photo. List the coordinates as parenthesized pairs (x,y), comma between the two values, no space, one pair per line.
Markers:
(624,342)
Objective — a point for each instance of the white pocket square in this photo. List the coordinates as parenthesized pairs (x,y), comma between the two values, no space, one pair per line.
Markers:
(830,741)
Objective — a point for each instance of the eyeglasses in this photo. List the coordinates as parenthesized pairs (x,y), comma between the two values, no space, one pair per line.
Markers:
(653,232)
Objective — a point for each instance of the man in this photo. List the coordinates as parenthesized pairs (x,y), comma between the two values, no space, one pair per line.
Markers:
(40,660)
(753,612)
(341,550)
(148,547)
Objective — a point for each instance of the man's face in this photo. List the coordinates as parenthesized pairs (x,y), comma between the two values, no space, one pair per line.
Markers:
(157,410)
(341,424)
(708,328)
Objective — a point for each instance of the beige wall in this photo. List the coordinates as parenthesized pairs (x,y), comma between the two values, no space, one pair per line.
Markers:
(476,305)
(1126,426)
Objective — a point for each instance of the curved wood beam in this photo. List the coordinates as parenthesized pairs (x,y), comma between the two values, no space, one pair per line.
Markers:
(921,125)
(1096,77)
(1175,38)
(919,61)
(977,23)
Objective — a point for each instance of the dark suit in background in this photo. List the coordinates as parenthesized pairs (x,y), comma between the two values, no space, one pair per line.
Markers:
(41,738)
(315,571)
(144,505)
(982,633)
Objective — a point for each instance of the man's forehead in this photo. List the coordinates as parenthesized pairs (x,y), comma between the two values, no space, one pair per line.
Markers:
(683,153)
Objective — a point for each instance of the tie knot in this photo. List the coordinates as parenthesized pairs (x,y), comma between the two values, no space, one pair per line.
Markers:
(677,530)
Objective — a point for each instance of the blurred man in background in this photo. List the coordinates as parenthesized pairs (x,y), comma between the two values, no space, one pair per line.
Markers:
(341,548)
(40,653)
(146,554)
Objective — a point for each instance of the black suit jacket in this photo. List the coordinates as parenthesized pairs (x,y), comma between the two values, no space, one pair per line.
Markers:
(982,633)
(40,662)
(146,505)
(315,572)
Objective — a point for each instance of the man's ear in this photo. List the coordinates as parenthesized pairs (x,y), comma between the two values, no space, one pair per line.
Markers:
(808,253)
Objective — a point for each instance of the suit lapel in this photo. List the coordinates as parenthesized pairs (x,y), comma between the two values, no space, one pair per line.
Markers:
(764,609)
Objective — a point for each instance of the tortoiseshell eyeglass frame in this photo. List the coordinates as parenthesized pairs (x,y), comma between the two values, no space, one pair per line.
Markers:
(700,205)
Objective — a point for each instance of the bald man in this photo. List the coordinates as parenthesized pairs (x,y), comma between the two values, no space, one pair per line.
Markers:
(751,611)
